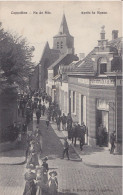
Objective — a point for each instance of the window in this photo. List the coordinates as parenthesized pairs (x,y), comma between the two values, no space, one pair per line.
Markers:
(61,44)
(57,45)
(73,101)
(103,68)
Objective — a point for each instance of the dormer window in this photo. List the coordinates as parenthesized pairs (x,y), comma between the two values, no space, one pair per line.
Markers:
(102,66)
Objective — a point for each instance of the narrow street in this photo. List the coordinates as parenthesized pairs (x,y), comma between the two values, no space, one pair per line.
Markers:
(73,177)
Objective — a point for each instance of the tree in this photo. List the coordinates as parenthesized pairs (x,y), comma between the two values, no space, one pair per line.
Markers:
(15,60)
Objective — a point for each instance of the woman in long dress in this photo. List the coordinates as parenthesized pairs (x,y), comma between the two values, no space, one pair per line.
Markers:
(30,187)
(33,157)
(53,183)
(41,187)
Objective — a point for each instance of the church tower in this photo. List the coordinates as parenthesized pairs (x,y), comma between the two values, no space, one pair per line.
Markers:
(63,41)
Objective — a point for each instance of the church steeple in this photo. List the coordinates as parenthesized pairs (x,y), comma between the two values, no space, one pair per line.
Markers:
(64,27)
(63,41)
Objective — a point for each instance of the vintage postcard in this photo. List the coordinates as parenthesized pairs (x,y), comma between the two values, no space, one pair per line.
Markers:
(60,97)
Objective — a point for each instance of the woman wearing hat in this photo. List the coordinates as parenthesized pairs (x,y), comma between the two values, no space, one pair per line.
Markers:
(53,183)
(33,158)
(30,188)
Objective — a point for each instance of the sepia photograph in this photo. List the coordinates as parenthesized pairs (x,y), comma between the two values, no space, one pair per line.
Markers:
(61,98)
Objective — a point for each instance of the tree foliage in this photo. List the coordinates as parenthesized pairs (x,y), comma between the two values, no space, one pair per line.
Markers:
(15,60)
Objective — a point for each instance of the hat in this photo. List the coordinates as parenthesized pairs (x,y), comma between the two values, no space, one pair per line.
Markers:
(53,172)
(30,166)
(45,158)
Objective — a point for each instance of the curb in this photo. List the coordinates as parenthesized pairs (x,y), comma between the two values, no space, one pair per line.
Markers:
(79,159)
(100,166)
(19,163)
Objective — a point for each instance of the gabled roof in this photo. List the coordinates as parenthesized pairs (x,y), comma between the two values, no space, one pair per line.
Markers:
(46,48)
(67,58)
(87,64)
(57,61)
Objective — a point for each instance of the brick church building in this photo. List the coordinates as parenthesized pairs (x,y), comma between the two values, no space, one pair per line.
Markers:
(62,52)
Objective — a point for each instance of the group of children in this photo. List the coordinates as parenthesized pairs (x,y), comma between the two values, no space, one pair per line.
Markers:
(39,181)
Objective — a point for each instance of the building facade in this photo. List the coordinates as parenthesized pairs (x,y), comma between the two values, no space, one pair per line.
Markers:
(95,90)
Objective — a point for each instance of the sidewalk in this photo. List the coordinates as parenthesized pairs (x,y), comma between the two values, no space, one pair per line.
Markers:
(15,153)
(93,156)
(96,156)
(74,156)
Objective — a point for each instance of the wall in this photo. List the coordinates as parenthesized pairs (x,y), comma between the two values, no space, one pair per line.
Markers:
(93,93)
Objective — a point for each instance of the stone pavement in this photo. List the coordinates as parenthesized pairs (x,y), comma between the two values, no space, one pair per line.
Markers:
(74,177)
(97,156)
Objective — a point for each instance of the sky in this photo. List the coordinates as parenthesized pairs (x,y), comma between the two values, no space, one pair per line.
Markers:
(40,28)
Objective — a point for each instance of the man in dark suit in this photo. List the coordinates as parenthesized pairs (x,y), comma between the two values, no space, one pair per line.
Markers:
(112,142)
(66,148)
(38,115)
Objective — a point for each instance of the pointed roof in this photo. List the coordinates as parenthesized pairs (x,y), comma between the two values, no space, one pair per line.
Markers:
(63,30)
(46,48)
(64,27)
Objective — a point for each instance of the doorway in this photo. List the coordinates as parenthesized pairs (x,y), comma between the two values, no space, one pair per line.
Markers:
(102,117)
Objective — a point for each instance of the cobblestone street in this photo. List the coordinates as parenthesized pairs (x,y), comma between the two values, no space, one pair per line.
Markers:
(73,177)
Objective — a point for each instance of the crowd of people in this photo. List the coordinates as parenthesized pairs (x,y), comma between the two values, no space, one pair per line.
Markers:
(38,179)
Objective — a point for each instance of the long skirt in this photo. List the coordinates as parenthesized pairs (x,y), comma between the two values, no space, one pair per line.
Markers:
(30,188)
(39,191)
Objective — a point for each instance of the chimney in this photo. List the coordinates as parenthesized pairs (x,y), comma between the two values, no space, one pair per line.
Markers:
(102,34)
(81,56)
(114,34)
